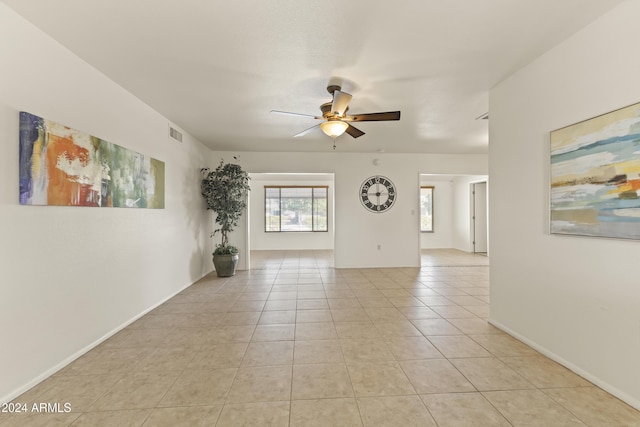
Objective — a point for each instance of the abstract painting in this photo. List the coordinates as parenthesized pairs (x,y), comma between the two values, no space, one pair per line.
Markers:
(65,167)
(595,176)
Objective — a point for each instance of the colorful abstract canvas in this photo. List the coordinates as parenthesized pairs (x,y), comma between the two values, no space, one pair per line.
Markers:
(65,167)
(595,176)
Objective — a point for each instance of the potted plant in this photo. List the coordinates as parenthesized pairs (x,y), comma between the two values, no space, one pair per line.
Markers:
(225,192)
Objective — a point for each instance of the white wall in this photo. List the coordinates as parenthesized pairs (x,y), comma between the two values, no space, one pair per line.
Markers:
(357,231)
(577,299)
(69,276)
(261,240)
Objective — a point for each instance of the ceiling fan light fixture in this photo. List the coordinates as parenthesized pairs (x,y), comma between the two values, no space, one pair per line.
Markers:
(334,128)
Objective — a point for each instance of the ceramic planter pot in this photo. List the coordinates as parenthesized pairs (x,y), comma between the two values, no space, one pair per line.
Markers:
(225,264)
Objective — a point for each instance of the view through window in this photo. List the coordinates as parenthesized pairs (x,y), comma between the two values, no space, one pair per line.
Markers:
(296,208)
(426,208)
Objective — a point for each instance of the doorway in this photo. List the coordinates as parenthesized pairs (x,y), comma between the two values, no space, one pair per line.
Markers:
(453,207)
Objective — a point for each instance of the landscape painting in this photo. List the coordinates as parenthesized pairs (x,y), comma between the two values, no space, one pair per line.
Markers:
(65,167)
(595,176)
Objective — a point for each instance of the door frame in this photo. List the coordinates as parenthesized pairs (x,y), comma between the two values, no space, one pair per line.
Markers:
(484,217)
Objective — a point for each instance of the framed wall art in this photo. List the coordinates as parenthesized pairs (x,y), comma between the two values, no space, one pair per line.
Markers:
(65,167)
(595,176)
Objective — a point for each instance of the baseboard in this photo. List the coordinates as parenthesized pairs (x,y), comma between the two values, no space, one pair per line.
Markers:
(630,400)
(49,372)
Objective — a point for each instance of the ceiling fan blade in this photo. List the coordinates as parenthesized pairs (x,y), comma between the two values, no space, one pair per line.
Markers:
(354,132)
(288,113)
(374,117)
(340,102)
(306,131)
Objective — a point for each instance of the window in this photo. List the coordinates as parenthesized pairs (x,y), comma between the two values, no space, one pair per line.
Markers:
(295,208)
(426,209)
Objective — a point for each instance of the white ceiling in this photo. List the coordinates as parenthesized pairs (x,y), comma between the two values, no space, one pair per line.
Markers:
(216,68)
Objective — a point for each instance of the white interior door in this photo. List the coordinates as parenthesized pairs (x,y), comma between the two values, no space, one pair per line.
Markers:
(480,218)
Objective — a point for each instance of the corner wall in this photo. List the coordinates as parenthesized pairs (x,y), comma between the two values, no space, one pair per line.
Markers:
(70,276)
(576,299)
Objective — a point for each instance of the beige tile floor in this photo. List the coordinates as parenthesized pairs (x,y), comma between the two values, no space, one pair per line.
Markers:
(452,257)
(295,342)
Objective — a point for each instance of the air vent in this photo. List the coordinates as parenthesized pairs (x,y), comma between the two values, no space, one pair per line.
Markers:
(485,116)
(175,133)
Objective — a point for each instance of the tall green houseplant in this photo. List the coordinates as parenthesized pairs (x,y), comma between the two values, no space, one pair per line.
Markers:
(225,192)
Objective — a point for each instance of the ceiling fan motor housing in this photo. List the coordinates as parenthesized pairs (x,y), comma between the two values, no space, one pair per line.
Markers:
(326,111)
(333,88)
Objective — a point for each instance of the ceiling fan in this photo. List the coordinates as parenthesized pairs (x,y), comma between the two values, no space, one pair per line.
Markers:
(335,118)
